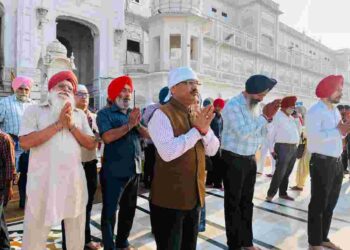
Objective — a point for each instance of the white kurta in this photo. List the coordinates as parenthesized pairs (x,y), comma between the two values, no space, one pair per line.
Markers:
(56,186)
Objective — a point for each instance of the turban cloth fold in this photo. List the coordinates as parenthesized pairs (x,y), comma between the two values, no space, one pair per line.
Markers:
(62,76)
(116,86)
(20,81)
(257,84)
(328,85)
(207,102)
(163,93)
(219,103)
(288,101)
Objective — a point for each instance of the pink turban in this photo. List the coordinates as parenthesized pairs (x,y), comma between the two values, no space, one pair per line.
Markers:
(20,81)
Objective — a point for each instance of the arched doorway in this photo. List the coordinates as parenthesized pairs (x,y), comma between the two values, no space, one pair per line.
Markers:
(80,39)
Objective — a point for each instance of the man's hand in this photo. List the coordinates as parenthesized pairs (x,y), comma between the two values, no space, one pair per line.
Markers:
(203,118)
(8,194)
(15,179)
(67,108)
(134,117)
(271,108)
(274,155)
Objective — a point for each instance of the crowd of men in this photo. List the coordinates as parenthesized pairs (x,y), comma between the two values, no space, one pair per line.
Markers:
(53,145)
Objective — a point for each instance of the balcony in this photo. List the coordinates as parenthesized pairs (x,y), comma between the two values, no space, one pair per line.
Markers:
(267,50)
(176,6)
(225,34)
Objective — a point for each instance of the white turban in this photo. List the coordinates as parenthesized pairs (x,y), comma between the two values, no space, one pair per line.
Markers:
(178,75)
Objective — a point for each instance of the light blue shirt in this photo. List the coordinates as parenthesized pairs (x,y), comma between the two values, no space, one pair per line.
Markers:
(321,129)
(11,112)
(243,130)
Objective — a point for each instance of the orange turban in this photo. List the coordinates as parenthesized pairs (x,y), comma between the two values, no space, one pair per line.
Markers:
(328,85)
(116,86)
(288,102)
(219,103)
(61,76)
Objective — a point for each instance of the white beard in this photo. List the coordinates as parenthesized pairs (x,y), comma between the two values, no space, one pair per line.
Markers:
(57,102)
(122,104)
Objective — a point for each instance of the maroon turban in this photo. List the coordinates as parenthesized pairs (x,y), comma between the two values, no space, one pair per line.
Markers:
(61,76)
(219,103)
(288,102)
(116,86)
(328,85)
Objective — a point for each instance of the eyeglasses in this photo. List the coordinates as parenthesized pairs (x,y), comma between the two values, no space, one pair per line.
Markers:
(82,95)
(192,83)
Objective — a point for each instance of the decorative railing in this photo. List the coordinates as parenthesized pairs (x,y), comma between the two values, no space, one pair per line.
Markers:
(176,6)
(225,34)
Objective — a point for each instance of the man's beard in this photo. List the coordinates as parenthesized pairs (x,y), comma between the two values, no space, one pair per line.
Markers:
(123,103)
(57,103)
(22,98)
(253,105)
(335,100)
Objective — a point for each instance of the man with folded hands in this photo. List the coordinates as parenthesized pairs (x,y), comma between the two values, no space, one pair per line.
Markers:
(243,133)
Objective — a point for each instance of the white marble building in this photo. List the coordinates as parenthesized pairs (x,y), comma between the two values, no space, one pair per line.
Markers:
(225,41)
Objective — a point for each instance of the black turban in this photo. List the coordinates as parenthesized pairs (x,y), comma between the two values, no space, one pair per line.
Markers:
(257,84)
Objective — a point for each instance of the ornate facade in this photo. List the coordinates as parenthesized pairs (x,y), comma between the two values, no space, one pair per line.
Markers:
(225,41)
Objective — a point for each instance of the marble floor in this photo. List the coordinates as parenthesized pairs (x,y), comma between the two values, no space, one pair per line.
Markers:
(277,225)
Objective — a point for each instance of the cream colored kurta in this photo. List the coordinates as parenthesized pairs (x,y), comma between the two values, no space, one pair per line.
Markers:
(56,186)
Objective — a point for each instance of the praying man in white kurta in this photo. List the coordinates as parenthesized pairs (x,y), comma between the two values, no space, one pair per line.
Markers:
(54,132)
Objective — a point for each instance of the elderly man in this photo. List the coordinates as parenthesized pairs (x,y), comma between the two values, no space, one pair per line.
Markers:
(7,171)
(284,141)
(242,135)
(89,161)
(55,131)
(12,109)
(325,130)
(11,112)
(120,129)
(182,137)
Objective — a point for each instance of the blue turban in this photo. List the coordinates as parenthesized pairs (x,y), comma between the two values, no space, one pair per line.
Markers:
(207,102)
(163,93)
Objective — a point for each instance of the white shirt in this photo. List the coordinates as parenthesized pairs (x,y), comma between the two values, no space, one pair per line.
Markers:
(89,155)
(170,147)
(322,133)
(285,130)
(56,186)
(268,137)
